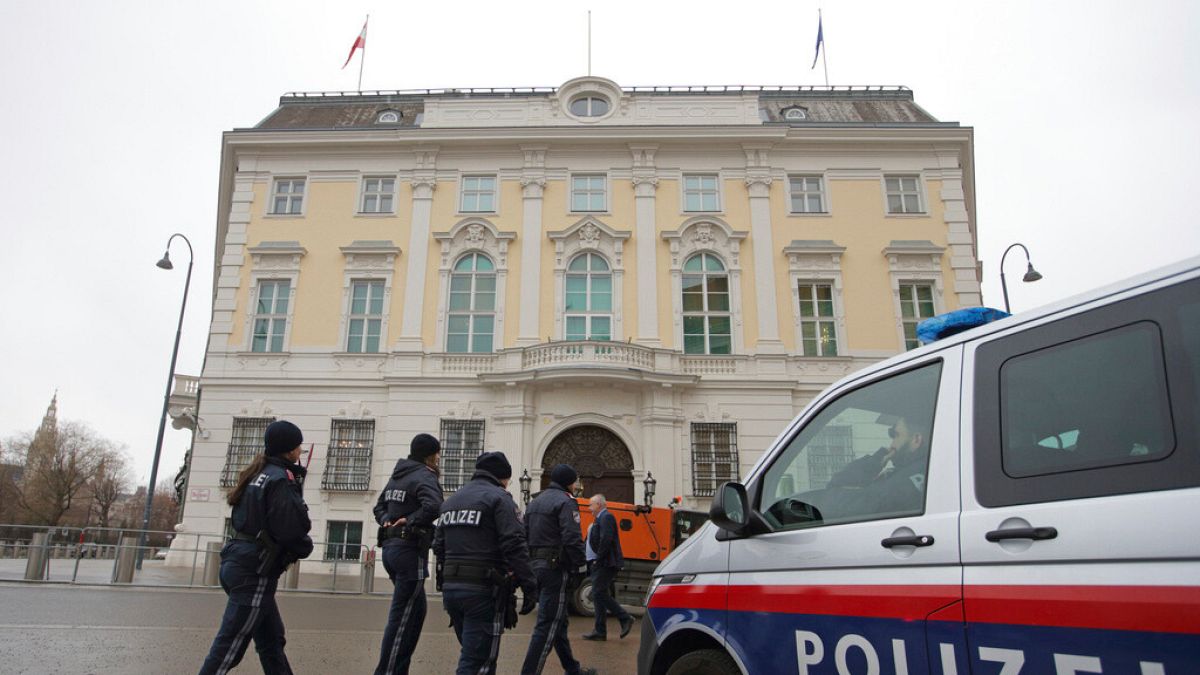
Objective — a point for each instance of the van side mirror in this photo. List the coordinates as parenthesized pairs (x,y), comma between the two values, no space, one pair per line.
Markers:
(730,508)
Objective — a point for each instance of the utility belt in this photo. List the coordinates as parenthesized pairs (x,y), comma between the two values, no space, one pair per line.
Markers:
(467,571)
(551,554)
(242,536)
(268,551)
(413,533)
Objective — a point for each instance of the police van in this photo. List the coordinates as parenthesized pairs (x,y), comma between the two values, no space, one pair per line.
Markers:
(1020,498)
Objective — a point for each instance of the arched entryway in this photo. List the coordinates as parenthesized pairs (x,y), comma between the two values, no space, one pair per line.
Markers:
(601,458)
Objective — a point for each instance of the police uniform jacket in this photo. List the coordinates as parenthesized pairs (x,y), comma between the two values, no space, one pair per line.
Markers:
(552,521)
(274,501)
(479,523)
(412,493)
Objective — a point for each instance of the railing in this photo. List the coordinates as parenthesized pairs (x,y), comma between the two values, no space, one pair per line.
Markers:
(654,89)
(185,385)
(108,556)
(593,352)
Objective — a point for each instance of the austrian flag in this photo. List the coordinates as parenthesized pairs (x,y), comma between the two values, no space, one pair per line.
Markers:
(360,42)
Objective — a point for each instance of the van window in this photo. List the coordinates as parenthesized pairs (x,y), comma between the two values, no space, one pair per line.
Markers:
(863,457)
(1097,401)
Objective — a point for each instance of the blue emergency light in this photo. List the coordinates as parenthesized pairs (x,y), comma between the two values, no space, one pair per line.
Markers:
(951,323)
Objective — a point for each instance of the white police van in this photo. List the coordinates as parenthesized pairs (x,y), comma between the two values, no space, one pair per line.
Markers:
(1021,498)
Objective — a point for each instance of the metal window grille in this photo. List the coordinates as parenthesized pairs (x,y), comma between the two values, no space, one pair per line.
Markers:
(829,453)
(344,541)
(714,456)
(348,466)
(245,444)
(462,443)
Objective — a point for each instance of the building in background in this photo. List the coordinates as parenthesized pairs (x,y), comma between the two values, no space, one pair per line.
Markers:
(632,280)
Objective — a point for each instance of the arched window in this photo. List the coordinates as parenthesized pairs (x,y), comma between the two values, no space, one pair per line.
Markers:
(472,312)
(707,325)
(588,298)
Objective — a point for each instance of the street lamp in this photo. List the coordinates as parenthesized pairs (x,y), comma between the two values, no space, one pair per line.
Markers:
(649,484)
(526,481)
(1030,273)
(165,264)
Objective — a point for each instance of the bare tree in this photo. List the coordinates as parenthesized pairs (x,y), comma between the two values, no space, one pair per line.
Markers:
(111,481)
(58,472)
(10,475)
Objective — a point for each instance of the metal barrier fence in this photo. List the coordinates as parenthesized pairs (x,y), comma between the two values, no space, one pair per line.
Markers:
(108,556)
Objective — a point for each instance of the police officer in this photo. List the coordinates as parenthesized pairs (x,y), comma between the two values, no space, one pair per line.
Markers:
(481,551)
(270,522)
(556,547)
(405,511)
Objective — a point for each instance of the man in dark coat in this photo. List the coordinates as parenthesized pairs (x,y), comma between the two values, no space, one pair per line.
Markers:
(405,511)
(605,542)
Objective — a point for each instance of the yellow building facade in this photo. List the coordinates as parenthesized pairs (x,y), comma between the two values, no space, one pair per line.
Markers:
(639,281)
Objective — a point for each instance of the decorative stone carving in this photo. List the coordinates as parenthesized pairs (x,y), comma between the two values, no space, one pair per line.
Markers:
(589,235)
(591,449)
(474,235)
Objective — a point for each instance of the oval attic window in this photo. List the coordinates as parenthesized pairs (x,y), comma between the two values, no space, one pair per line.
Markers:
(589,105)
(388,117)
(795,114)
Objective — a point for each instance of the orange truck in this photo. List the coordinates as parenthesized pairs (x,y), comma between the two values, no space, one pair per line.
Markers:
(648,534)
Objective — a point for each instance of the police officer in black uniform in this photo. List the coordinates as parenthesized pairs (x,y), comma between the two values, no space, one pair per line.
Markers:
(405,511)
(270,522)
(481,551)
(556,547)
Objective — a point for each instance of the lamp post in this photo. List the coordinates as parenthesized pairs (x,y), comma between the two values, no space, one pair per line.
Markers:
(649,484)
(165,264)
(526,481)
(1030,273)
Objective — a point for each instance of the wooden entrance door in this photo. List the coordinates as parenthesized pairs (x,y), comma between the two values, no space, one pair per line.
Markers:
(601,458)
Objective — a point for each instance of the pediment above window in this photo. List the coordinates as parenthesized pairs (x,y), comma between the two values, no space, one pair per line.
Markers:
(705,233)
(915,255)
(283,256)
(475,234)
(589,234)
(365,255)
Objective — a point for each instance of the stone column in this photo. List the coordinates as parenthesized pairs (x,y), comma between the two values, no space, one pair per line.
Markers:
(758,182)
(424,182)
(645,183)
(533,184)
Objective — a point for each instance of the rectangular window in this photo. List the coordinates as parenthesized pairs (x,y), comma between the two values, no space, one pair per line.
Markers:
(903,194)
(818,328)
(916,305)
(348,465)
(462,443)
(714,456)
(588,192)
(478,194)
(270,315)
(807,193)
(344,540)
(245,443)
(700,193)
(378,194)
(366,317)
(287,196)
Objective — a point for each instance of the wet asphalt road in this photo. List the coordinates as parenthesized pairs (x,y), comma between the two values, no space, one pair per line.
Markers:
(82,629)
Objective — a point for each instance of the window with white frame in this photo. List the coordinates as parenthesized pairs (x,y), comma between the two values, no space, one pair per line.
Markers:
(588,298)
(378,194)
(478,194)
(807,194)
(470,322)
(903,194)
(589,106)
(588,192)
(270,315)
(916,305)
(287,196)
(462,443)
(707,324)
(714,456)
(366,316)
(245,443)
(343,540)
(348,462)
(818,323)
(700,193)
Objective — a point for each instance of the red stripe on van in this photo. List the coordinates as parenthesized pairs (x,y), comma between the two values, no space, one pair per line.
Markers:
(1159,609)
(881,602)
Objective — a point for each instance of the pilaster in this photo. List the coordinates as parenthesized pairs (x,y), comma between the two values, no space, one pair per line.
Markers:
(645,183)
(424,183)
(758,184)
(533,184)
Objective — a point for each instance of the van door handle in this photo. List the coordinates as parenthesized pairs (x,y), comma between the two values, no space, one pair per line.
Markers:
(913,540)
(1036,533)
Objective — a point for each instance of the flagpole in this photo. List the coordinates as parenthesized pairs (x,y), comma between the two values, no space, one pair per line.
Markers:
(825,51)
(589,43)
(363,60)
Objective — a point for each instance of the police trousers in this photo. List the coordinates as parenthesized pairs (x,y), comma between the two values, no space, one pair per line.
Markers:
(251,612)
(550,632)
(477,614)
(405,562)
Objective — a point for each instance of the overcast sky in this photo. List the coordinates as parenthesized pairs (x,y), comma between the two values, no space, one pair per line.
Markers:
(1084,112)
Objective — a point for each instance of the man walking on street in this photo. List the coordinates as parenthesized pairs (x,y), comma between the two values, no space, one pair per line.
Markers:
(556,547)
(605,541)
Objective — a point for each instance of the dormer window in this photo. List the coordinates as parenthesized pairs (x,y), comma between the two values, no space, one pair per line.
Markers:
(795,114)
(589,105)
(388,117)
